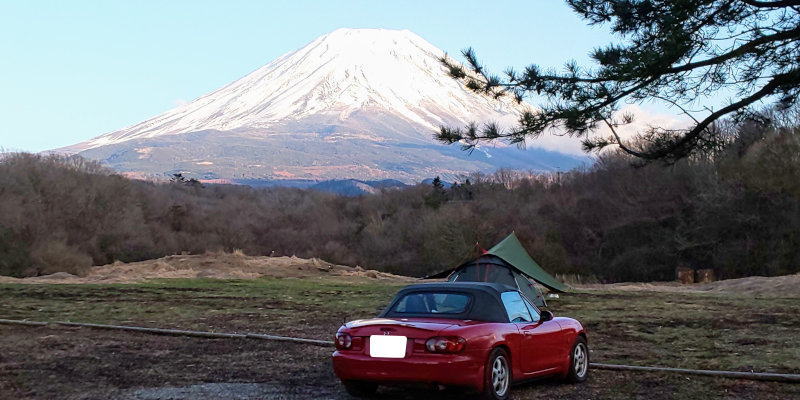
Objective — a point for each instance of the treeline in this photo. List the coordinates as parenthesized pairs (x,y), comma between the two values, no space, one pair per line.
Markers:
(735,209)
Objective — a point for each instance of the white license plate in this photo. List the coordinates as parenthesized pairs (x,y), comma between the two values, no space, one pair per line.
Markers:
(387,346)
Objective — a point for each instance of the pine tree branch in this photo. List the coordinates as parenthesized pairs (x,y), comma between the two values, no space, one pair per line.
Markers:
(772,4)
(749,47)
(791,78)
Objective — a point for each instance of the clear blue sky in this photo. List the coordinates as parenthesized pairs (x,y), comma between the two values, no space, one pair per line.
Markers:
(70,71)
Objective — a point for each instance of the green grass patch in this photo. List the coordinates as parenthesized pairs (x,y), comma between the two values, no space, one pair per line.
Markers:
(640,328)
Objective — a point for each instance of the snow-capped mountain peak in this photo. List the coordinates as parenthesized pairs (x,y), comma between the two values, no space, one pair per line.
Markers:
(337,74)
(350,104)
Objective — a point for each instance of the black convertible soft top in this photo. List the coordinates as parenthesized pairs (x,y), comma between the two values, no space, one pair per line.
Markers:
(485,303)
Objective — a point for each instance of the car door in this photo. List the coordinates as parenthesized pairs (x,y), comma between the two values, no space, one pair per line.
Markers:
(533,357)
(546,337)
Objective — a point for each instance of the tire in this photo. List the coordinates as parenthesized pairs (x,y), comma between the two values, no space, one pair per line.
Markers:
(497,376)
(360,389)
(578,361)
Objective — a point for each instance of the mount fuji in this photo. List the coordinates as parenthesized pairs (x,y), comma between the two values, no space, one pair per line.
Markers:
(354,103)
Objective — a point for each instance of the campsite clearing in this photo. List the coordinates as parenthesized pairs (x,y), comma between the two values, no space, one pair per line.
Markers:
(689,330)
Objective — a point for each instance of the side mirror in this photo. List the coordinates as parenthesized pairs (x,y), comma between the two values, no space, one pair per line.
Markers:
(546,316)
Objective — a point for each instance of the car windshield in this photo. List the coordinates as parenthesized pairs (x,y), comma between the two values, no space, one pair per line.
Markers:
(432,303)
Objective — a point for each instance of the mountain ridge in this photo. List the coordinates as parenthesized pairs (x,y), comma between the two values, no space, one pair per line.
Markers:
(354,103)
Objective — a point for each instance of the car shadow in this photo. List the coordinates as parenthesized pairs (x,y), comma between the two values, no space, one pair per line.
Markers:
(428,393)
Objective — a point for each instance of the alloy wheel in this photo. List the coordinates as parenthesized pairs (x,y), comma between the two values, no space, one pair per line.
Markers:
(500,375)
(581,360)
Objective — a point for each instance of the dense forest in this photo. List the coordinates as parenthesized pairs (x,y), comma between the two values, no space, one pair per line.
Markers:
(734,208)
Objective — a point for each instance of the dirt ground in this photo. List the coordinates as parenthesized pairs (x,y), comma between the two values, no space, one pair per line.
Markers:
(77,363)
(774,286)
(731,325)
(211,265)
(240,266)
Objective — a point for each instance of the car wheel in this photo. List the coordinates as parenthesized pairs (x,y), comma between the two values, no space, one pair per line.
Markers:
(579,361)
(360,389)
(497,380)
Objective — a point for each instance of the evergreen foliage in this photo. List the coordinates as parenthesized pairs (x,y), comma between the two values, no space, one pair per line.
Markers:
(679,52)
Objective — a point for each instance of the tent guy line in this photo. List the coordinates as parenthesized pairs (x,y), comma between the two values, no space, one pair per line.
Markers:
(761,376)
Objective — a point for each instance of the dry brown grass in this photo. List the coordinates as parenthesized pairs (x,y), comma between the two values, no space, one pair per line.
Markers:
(218,265)
(689,330)
(787,286)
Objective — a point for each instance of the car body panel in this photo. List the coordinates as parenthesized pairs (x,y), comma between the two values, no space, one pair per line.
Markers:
(534,348)
(541,344)
(463,369)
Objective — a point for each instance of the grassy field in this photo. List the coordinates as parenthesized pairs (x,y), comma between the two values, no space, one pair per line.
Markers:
(639,328)
(316,307)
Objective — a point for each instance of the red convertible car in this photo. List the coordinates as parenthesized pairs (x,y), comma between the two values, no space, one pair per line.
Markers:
(483,336)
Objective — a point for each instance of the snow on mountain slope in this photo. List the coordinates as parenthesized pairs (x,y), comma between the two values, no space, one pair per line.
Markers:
(366,87)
